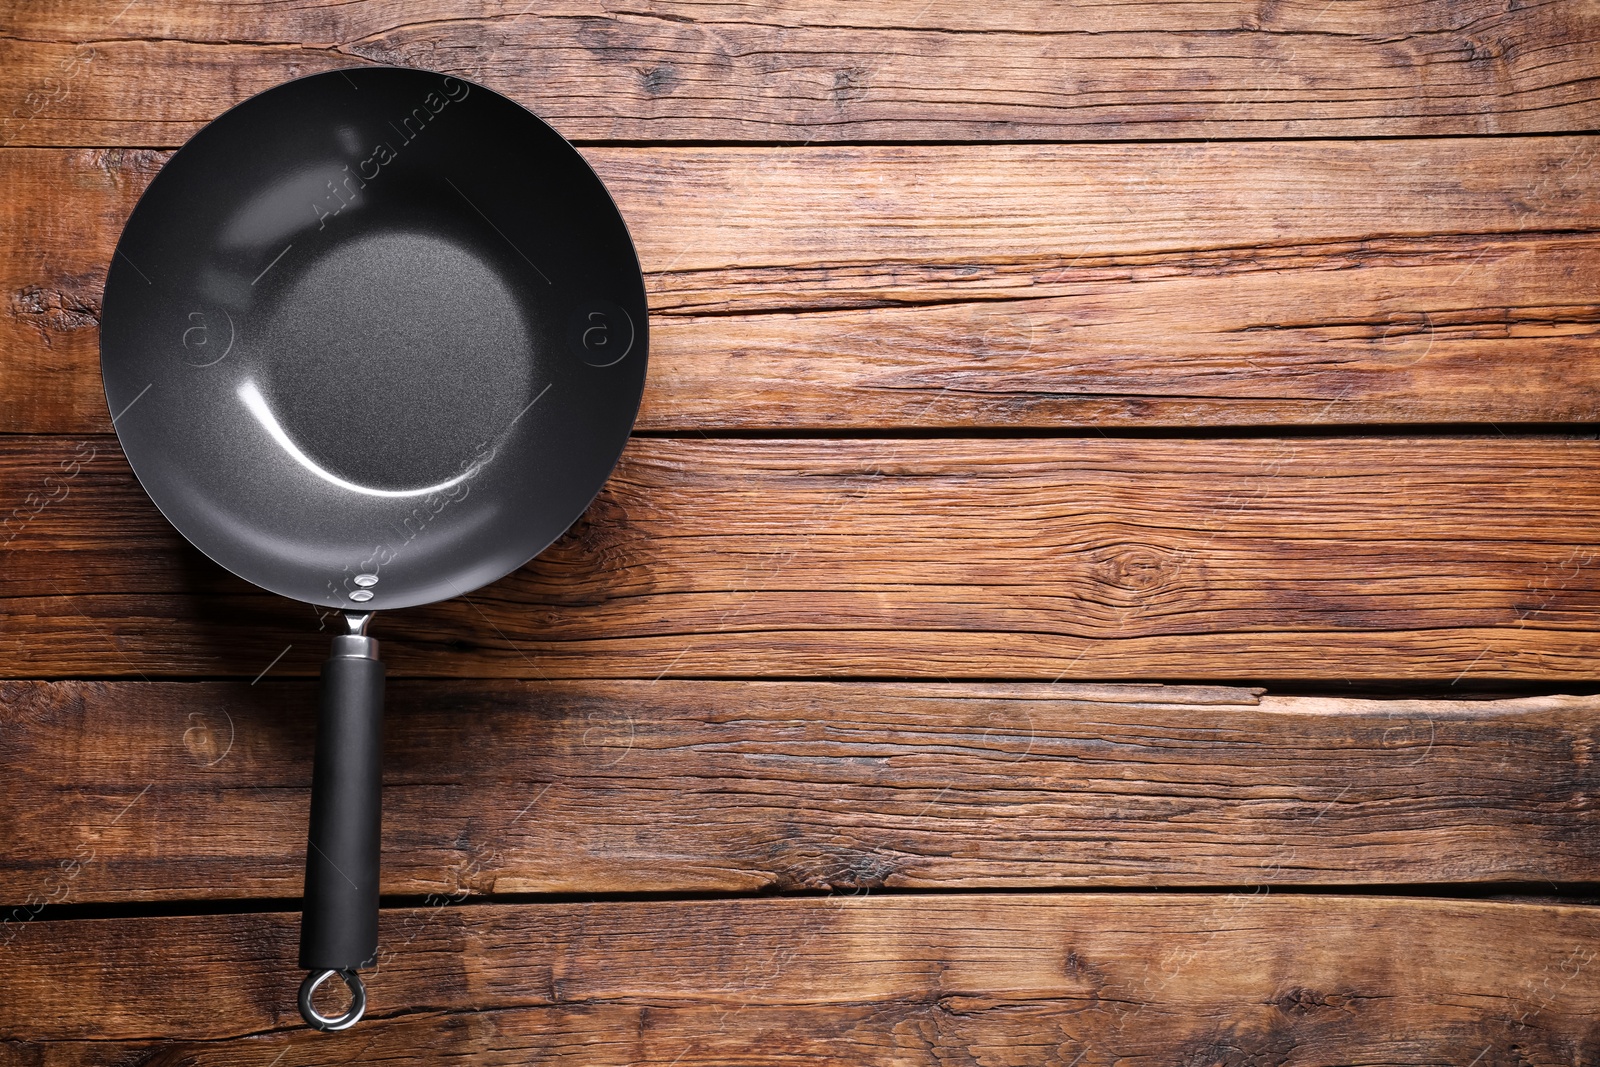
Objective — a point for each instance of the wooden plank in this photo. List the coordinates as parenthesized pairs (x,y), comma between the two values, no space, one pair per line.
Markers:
(1091,979)
(1254,559)
(160,791)
(1007,286)
(151,73)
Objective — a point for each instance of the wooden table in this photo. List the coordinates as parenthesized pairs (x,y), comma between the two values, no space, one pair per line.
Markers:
(1105,573)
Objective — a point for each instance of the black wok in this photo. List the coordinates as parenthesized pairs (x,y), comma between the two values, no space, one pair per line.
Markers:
(371,339)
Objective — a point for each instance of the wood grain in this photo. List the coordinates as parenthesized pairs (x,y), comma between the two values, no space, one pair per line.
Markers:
(1007,286)
(1256,559)
(1092,979)
(858,281)
(159,791)
(150,74)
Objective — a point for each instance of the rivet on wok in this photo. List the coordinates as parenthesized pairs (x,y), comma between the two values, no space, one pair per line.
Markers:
(364,580)
(361,594)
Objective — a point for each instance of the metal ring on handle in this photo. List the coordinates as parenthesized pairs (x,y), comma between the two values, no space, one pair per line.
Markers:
(358,1000)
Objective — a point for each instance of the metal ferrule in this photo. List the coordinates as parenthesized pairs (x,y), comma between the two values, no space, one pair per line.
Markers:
(355,644)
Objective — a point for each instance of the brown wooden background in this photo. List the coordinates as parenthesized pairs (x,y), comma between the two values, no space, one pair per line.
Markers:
(1106,572)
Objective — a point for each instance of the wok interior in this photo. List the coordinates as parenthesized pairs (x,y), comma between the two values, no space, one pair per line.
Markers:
(399,355)
(350,334)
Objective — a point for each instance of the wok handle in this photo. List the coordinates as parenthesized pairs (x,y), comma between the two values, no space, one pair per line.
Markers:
(339,923)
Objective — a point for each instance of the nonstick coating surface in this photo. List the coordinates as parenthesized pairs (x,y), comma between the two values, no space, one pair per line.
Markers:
(375,323)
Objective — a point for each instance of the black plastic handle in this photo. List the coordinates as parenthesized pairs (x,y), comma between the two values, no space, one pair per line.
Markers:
(339,924)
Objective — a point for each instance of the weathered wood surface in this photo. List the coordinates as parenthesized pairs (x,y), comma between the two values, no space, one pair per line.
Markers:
(149,74)
(157,791)
(1006,286)
(1204,284)
(1255,559)
(1093,980)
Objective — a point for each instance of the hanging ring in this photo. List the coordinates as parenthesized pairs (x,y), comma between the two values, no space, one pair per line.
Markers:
(358,1000)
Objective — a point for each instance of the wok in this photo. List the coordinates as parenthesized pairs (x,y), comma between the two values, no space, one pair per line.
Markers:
(371,339)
